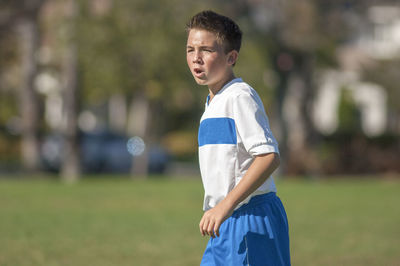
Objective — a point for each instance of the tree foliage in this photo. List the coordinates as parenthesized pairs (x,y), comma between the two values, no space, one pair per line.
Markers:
(137,49)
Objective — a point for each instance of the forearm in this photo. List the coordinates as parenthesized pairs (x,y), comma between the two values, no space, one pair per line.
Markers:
(261,168)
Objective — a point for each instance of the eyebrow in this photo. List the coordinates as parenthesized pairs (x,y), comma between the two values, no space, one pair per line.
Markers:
(201,47)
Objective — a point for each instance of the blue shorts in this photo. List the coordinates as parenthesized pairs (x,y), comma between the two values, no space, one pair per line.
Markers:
(256,234)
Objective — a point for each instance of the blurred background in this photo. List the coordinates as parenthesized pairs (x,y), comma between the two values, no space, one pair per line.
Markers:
(81,80)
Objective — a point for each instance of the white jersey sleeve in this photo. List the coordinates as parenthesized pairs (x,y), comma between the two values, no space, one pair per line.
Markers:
(253,125)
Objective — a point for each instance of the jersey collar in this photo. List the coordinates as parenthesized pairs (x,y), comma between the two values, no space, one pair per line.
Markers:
(235,80)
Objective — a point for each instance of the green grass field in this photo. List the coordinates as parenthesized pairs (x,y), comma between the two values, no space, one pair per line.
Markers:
(118,221)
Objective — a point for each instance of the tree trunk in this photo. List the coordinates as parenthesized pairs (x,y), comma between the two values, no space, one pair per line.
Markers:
(28,99)
(117,113)
(138,125)
(301,135)
(70,169)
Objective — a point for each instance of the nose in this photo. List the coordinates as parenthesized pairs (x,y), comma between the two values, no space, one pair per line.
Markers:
(197,57)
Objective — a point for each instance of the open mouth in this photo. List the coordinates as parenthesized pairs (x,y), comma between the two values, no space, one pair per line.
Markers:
(197,71)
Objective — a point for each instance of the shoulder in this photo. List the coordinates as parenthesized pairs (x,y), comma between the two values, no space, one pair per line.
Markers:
(242,91)
(239,88)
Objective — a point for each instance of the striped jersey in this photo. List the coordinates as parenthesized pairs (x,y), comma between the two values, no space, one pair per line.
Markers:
(233,129)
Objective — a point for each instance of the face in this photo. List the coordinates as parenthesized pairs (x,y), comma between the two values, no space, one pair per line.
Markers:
(207,60)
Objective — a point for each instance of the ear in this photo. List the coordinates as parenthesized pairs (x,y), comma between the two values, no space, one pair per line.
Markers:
(232,57)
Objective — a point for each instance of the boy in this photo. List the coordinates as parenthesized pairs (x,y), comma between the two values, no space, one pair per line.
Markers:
(237,154)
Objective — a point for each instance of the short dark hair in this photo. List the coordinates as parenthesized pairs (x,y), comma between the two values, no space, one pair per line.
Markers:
(226,30)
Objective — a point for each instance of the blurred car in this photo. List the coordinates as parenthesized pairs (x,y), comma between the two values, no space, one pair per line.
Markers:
(100,152)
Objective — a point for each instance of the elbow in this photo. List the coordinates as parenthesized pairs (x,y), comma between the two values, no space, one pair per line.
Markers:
(276,161)
(270,161)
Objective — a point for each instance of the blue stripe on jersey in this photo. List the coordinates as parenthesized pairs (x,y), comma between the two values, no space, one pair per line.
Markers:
(217,131)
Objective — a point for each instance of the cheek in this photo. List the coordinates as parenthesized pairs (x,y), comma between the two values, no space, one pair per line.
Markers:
(215,64)
(188,59)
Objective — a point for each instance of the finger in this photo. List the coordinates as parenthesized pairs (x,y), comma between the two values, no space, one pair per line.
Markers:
(205,227)
(210,229)
(216,228)
(201,227)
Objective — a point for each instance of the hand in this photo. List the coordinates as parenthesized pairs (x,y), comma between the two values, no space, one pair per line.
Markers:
(213,218)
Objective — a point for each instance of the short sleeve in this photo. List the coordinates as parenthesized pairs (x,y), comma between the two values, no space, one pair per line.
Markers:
(253,126)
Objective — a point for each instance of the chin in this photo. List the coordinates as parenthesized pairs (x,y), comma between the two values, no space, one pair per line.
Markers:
(201,82)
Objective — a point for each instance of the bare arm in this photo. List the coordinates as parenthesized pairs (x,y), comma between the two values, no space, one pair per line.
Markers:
(261,168)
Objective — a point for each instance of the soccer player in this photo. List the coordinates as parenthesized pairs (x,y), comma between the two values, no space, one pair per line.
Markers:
(243,216)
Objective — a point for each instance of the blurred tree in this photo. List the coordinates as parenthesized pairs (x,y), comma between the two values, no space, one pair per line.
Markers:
(23,16)
(291,36)
(302,36)
(130,56)
(349,114)
(138,48)
(70,169)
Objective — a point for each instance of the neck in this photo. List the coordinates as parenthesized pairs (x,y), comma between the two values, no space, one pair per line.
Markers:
(215,88)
